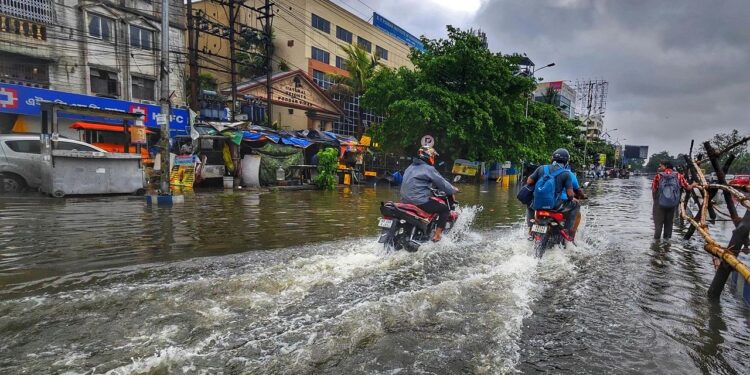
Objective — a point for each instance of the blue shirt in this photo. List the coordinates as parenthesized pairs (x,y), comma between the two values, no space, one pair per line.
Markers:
(576,186)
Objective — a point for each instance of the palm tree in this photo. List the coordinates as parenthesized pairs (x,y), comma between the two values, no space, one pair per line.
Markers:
(361,67)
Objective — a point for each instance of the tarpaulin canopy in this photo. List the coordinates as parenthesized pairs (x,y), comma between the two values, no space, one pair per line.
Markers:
(273,156)
(257,136)
(83,125)
(343,139)
(293,141)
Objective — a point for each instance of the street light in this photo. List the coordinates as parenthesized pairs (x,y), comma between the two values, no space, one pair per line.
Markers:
(533,75)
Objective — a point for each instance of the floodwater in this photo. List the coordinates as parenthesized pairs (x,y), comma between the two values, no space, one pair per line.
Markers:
(294,283)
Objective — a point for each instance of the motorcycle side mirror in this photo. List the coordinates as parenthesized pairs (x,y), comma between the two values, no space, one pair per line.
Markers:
(457,178)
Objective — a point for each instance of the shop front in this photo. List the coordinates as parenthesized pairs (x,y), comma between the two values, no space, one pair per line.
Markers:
(21,112)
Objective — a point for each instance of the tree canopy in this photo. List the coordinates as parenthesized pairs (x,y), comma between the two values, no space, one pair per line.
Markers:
(471,100)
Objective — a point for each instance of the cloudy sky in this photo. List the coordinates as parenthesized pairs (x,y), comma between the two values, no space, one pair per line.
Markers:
(677,69)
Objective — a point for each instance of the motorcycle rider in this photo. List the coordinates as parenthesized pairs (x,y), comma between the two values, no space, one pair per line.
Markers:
(567,203)
(417,181)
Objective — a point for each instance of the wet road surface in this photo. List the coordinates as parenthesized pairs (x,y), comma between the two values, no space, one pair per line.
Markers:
(293,282)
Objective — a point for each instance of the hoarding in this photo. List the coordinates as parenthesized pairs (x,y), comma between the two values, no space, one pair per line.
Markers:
(393,30)
(24,100)
(636,152)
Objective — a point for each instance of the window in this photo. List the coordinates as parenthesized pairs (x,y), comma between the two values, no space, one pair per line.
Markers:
(321,79)
(142,88)
(340,62)
(364,44)
(381,52)
(104,82)
(72,146)
(320,55)
(141,38)
(101,27)
(344,34)
(25,146)
(321,24)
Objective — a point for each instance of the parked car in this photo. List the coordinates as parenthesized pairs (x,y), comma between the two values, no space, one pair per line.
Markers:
(740,179)
(20,160)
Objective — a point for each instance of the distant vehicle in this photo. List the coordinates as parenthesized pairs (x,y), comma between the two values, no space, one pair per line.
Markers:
(729,177)
(740,179)
(21,160)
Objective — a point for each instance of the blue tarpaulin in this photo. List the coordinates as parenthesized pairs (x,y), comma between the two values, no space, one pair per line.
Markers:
(255,136)
(299,142)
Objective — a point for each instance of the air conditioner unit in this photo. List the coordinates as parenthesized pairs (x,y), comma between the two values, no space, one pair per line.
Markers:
(148,102)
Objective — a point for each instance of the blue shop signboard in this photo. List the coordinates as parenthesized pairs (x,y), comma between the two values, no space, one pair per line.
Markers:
(23,100)
(396,32)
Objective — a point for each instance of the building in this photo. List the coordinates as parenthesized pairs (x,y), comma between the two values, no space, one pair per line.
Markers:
(89,52)
(592,125)
(559,94)
(308,36)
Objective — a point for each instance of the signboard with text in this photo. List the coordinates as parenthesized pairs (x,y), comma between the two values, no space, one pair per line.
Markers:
(636,152)
(24,100)
(395,31)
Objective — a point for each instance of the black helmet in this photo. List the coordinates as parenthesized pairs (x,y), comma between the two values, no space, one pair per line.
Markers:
(561,155)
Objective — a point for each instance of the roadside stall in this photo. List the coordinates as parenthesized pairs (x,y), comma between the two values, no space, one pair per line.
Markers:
(115,138)
(71,172)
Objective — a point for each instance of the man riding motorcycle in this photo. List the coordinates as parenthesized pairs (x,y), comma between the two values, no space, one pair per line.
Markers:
(567,203)
(418,179)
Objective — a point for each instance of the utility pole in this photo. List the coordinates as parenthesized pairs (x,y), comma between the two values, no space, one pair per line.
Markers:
(193,56)
(164,77)
(233,56)
(267,17)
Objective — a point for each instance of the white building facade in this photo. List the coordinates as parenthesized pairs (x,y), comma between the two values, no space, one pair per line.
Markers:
(98,48)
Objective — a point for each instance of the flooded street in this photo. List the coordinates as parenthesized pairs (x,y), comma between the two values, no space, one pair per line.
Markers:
(295,283)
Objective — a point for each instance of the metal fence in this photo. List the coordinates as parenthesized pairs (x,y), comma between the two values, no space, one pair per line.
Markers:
(33,10)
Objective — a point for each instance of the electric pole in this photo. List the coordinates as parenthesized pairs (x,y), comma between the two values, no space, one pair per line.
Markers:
(164,77)
(193,56)
(267,17)
(233,56)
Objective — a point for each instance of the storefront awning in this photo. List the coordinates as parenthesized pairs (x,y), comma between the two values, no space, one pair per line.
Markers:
(82,125)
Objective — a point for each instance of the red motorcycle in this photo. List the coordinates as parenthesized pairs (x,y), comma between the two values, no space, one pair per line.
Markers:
(406,226)
(547,231)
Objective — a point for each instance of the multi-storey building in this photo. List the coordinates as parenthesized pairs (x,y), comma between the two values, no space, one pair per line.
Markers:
(559,94)
(592,125)
(308,37)
(86,52)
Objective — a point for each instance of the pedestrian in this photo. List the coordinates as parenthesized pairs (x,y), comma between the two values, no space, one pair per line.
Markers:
(666,193)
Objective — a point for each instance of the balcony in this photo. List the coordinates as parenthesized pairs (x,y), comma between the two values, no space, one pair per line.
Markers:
(39,11)
(28,29)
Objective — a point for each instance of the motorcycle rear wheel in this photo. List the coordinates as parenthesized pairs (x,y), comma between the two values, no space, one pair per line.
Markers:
(540,246)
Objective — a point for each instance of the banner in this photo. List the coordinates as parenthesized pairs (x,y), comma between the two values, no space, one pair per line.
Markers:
(465,167)
(24,100)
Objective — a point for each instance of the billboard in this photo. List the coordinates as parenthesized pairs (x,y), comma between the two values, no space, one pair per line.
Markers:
(393,30)
(636,152)
(24,100)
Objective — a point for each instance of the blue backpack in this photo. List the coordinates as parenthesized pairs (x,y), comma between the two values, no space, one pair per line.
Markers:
(545,196)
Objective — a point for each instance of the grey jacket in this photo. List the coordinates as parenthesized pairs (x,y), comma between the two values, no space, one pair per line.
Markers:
(418,179)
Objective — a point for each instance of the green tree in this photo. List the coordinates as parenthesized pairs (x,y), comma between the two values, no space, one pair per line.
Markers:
(470,99)
(360,67)
(327,166)
(723,140)
(251,55)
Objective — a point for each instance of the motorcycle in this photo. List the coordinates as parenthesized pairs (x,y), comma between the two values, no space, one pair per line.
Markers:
(546,229)
(547,226)
(406,226)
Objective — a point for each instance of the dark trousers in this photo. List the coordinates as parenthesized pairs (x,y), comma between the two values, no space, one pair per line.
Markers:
(663,218)
(570,210)
(435,207)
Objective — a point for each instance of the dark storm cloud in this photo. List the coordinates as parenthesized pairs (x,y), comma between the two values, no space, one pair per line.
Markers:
(677,69)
